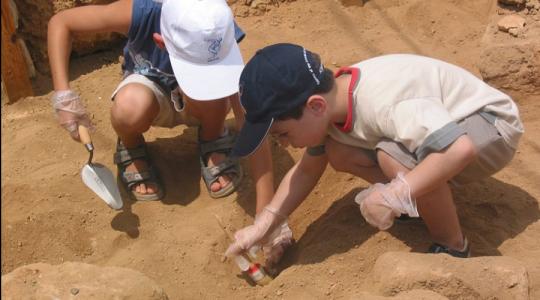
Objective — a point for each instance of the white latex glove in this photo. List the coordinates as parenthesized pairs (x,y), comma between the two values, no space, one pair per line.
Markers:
(70,112)
(256,235)
(380,204)
(280,239)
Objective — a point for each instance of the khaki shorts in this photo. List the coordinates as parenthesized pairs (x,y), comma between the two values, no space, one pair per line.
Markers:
(168,115)
(493,152)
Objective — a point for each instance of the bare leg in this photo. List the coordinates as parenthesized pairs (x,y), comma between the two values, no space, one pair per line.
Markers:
(357,162)
(212,116)
(436,207)
(132,113)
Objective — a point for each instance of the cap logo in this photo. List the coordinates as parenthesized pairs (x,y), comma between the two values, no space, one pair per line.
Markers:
(213,48)
(310,68)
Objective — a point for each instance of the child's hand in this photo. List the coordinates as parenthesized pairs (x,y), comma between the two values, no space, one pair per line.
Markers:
(381,203)
(70,112)
(257,234)
(277,243)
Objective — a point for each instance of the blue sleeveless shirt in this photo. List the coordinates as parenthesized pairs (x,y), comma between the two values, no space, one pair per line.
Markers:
(142,55)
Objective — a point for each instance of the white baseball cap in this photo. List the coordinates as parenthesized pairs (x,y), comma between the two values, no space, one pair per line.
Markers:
(199,37)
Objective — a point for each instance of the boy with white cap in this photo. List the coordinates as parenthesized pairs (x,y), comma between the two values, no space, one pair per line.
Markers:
(196,40)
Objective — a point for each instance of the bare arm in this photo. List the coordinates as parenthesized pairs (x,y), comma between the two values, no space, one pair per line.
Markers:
(86,19)
(260,162)
(293,189)
(298,183)
(437,168)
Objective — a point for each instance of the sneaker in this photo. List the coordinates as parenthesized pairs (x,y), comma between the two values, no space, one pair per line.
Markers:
(438,248)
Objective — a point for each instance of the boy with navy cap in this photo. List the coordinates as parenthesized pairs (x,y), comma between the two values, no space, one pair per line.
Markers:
(408,124)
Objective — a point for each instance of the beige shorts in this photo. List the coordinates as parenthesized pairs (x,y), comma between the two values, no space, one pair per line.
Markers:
(493,152)
(170,113)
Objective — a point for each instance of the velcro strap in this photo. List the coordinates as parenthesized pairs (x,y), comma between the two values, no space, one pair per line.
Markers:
(132,178)
(128,155)
(220,168)
(222,144)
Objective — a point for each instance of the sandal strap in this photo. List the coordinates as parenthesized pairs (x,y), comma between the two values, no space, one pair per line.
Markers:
(132,178)
(230,165)
(223,144)
(126,156)
(211,174)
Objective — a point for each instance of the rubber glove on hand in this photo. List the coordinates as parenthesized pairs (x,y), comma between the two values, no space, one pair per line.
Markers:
(70,112)
(277,243)
(380,204)
(257,234)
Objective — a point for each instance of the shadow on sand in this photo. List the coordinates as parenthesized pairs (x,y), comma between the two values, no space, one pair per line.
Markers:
(491,212)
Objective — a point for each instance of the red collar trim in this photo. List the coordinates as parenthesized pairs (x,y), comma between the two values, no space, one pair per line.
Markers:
(355,75)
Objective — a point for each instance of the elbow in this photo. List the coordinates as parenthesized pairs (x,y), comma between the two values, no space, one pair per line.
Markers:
(56,24)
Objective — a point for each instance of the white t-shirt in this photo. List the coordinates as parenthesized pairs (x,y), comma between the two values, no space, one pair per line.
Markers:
(417,101)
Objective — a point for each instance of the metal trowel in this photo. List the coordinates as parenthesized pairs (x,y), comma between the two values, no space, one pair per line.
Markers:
(97,177)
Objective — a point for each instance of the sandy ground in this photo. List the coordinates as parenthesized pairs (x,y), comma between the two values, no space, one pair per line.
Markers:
(48,215)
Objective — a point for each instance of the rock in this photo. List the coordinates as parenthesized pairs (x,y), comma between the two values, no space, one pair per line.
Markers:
(510,64)
(472,278)
(85,281)
(514,31)
(511,21)
(512,67)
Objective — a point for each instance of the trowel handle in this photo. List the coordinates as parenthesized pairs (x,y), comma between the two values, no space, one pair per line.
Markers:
(84,135)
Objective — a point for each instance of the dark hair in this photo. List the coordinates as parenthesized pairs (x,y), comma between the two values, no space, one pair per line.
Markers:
(327,83)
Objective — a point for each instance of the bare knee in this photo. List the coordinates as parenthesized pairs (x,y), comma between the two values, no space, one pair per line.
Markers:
(345,158)
(336,157)
(134,107)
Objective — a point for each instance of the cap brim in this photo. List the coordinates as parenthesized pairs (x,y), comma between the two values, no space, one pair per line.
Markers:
(251,137)
(209,81)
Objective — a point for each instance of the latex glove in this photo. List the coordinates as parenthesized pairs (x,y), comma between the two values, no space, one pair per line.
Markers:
(70,112)
(255,235)
(276,244)
(382,203)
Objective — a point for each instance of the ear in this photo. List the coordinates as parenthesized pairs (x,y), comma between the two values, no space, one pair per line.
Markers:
(158,39)
(316,104)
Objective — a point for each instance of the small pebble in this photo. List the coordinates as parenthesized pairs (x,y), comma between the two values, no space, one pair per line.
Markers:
(74,291)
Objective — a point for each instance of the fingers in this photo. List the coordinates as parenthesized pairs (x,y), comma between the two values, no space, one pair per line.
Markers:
(70,122)
(376,210)
(85,121)
(234,250)
(72,129)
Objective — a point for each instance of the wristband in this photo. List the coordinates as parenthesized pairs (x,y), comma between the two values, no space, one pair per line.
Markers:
(275,213)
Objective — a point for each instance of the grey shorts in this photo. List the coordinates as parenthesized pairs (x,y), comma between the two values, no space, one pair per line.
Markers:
(171,113)
(493,153)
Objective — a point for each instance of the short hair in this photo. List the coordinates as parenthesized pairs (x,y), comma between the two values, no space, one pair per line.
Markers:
(327,83)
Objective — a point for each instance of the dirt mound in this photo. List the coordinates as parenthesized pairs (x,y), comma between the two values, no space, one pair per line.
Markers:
(510,57)
(500,277)
(84,281)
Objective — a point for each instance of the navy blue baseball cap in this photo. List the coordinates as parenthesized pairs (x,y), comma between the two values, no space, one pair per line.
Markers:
(276,80)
